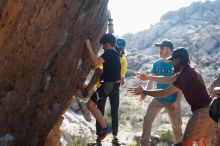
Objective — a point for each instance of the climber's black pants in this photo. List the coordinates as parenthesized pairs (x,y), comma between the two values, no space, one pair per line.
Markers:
(114,103)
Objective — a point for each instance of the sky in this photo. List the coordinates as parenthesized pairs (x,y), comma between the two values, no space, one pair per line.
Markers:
(132,16)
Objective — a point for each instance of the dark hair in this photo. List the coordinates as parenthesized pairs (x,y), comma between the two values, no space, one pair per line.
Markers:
(108,38)
(184,61)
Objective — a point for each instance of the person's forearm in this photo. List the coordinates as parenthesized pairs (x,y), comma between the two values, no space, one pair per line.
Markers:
(93,57)
(161,93)
(156,93)
(162,79)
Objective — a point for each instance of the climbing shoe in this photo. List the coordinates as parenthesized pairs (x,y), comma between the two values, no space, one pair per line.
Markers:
(98,143)
(115,142)
(103,133)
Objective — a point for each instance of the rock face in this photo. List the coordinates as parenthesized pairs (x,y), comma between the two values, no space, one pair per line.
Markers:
(76,127)
(53,139)
(196,27)
(42,60)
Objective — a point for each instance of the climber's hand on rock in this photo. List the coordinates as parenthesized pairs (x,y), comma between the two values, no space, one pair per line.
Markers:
(88,44)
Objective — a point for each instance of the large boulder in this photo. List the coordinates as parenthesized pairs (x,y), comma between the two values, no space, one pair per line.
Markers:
(43,58)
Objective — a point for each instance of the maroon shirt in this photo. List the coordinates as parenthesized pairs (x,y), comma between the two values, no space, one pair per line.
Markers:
(193,88)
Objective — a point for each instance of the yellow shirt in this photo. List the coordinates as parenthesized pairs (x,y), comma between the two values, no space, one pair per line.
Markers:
(124,65)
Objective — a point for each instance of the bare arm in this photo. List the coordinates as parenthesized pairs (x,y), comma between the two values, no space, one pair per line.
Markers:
(162,93)
(149,86)
(95,60)
(162,79)
(158,79)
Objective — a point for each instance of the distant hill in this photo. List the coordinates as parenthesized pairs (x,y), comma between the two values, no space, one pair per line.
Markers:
(196,27)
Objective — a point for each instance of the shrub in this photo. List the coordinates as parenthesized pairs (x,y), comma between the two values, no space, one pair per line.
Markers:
(167,136)
(133,144)
(79,141)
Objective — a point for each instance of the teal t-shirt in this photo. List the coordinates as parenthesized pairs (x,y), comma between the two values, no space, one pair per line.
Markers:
(161,68)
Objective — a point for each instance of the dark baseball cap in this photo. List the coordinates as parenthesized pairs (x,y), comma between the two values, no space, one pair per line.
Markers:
(179,53)
(108,38)
(165,43)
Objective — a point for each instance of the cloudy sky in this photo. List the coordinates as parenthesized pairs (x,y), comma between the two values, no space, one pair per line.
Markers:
(131,16)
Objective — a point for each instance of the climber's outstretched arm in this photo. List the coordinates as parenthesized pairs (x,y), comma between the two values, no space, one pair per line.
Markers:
(95,60)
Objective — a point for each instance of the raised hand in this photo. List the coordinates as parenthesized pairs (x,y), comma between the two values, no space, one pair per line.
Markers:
(142,76)
(136,91)
(122,81)
(88,44)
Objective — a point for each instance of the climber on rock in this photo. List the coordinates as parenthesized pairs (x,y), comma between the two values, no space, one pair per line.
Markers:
(200,126)
(114,98)
(110,79)
(95,80)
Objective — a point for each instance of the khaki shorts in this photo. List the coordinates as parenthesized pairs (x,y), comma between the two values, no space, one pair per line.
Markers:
(200,125)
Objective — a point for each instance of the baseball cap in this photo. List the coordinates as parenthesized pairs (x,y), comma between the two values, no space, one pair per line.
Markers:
(179,53)
(108,38)
(165,43)
(120,44)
